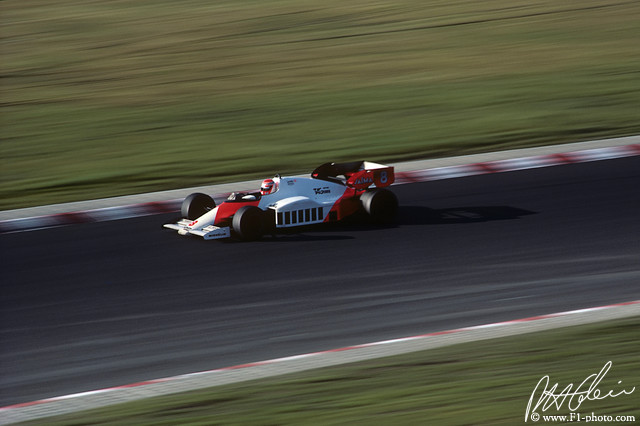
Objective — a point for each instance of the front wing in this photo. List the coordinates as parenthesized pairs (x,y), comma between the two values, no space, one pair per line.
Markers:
(210,232)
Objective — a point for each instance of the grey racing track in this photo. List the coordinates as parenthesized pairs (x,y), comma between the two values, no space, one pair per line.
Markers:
(99,305)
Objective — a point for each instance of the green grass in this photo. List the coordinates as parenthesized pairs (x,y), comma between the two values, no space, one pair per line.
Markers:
(112,97)
(488,382)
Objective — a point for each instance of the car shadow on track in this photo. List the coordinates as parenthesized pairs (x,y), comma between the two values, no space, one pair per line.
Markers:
(301,236)
(420,215)
(407,216)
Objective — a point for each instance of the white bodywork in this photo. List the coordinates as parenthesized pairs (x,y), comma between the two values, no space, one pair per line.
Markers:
(296,201)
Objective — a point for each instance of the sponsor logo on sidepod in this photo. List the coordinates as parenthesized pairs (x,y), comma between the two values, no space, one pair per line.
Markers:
(320,191)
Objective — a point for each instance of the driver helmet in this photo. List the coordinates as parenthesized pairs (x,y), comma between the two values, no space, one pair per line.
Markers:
(268,187)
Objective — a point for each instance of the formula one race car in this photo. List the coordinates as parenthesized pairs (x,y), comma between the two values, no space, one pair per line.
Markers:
(332,193)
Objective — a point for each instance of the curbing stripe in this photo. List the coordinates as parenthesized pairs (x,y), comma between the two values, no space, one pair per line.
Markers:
(514,164)
(89,216)
(94,399)
(405,177)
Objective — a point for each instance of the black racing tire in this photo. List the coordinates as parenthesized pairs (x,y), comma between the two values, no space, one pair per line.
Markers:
(381,205)
(197,204)
(248,223)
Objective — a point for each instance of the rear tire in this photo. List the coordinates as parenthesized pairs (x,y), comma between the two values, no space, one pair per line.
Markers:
(197,204)
(248,223)
(381,205)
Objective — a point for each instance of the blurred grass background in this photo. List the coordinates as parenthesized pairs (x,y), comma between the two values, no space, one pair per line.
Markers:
(113,97)
(479,383)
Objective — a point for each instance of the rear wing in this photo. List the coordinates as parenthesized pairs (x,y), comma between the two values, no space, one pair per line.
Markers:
(358,174)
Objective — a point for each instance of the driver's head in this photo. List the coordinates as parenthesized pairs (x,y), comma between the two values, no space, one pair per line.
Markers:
(268,187)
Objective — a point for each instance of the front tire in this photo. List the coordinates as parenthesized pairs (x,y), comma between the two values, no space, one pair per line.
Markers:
(248,223)
(381,205)
(197,204)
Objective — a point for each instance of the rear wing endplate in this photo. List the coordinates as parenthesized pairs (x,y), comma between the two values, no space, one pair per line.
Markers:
(358,175)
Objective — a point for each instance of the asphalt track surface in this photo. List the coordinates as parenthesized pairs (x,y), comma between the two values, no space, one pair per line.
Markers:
(98,305)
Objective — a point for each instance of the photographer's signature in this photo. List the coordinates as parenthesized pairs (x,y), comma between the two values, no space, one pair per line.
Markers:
(546,397)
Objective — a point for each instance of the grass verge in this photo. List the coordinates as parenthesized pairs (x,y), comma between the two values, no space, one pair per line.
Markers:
(114,97)
(488,382)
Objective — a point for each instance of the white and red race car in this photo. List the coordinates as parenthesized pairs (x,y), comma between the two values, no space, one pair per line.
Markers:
(333,192)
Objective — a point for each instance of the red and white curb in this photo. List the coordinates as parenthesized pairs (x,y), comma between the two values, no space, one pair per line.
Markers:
(87,216)
(449,172)
(514,164)
(238,373)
